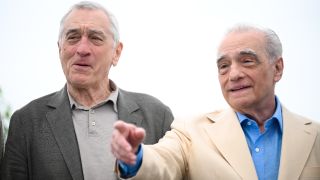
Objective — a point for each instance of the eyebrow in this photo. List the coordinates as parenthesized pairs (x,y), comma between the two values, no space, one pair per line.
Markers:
(220,57)
(70,31)
(90,32)
(249,52)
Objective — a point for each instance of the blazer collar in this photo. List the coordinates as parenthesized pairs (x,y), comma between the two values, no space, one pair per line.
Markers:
(128,109)
(60,121)
(297,141)
(226,133)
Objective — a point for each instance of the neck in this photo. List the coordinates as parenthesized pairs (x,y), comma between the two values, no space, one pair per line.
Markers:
(91,95)
(261,114)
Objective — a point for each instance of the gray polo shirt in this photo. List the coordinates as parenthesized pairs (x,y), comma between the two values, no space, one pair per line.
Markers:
(93,127)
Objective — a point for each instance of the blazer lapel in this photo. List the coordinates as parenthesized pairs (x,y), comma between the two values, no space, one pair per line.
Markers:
(128,109)
(60,120)
(297,141)
(226,133)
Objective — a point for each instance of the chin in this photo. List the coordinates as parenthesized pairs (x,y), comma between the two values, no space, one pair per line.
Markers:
(79,83)
(239,103)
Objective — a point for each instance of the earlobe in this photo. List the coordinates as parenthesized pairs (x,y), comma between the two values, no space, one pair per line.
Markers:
(115,62)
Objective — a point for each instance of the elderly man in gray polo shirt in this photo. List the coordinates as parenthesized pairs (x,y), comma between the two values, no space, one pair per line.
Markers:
(65,135)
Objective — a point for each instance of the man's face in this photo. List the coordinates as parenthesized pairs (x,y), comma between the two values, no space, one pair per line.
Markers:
(247,77)
(86,48)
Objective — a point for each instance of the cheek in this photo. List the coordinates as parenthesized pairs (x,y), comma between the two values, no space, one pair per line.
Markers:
(264,81)
(66,54)
(223,80)
(106,58)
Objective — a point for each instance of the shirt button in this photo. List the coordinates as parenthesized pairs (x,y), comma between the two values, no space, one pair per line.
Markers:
(92,111)
(249,123)
(257,149)
(93,123)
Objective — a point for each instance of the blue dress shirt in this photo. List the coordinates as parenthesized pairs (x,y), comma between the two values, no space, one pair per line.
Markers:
(265,147)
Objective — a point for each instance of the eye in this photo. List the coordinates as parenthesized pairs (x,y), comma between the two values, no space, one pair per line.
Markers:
(248,61)
(97,40)
(223,67)
(72,38)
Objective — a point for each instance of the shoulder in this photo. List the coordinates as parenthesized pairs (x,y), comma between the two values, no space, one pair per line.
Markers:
(41,101)
(200,120)
(139,98)
(300,120)
(36,106)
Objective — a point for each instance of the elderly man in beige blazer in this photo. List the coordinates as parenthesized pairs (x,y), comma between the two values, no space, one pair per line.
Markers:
(257,138)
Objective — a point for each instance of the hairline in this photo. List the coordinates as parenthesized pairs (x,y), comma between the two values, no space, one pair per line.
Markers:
(87,5)
(272,43)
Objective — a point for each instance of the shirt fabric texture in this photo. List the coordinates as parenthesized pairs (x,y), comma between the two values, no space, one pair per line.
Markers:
(93,127)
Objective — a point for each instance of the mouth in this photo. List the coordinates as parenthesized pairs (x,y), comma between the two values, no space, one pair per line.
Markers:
(81,66)
(239,88)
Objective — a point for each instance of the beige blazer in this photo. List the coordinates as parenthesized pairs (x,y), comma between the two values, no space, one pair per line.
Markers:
(214,147)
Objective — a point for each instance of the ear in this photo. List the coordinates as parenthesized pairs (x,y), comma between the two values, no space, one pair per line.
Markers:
(278,69)
(117,54)
(59,46)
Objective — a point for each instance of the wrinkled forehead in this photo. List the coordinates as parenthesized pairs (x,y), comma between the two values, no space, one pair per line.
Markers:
(86,19)
(237,43)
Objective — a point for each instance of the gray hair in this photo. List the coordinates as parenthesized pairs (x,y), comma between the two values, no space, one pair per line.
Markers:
(94,6)
(273,45)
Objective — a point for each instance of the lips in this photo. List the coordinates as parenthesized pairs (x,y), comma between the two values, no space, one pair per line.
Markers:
(239,88)
(81,65)
(82,62)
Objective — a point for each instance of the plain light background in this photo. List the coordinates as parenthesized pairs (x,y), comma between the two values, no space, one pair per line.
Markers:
(169,49)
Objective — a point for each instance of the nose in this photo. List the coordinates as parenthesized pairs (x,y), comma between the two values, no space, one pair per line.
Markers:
(83,48)
(235,72)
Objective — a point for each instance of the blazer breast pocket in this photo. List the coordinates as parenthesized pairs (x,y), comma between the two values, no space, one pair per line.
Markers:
(310,173)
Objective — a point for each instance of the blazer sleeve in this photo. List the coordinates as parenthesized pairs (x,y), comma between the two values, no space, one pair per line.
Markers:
(167,159)
(15,157)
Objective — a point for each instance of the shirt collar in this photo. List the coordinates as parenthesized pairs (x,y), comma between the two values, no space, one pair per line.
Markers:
(276,115)
(113,97)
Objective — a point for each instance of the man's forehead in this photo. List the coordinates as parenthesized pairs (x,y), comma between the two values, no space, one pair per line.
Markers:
(87,17)
(87,13)
(78,28)
(82,27)
(241,38)
(240,42)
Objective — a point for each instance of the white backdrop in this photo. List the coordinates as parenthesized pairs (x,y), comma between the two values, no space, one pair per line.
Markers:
(169,49)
